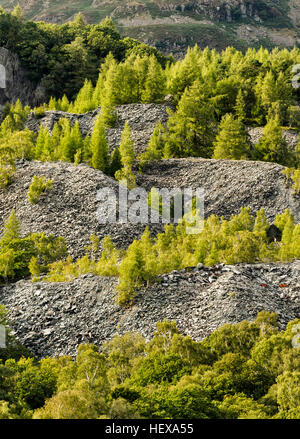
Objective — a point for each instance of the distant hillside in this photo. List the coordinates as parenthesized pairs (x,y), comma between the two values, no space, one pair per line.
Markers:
(172,25)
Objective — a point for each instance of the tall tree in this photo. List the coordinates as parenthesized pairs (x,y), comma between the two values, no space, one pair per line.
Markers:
(12,229)
(127,157)
(272,147)
(99,147)
(232,141)
(154,89)
(190,131)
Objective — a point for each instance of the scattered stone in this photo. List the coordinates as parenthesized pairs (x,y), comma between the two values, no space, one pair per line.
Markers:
(197,305)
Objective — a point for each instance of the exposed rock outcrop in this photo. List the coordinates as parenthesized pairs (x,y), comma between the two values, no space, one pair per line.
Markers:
(53,319)
(17,84)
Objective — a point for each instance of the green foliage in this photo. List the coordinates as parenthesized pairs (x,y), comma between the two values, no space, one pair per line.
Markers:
(127,158)
(115,162)
(68,269)
(62,56)
(215,93)
(232,141)
(154,150)
(38,186)
(248,370)
(241,239)
(190,131)
(17,253)
(99,147)
(272,147)
(293,176)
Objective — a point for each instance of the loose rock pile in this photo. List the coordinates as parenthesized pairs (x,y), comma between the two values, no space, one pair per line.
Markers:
(53,319)
(228,184)
(142,119)
(69,209)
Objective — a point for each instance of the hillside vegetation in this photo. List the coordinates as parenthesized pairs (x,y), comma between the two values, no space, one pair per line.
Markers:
(173,25)
(234,373)
(76,286)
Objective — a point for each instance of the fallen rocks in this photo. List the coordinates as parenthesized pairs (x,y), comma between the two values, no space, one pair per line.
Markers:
(228,184)
(69,209)
(142,119)
(54,318)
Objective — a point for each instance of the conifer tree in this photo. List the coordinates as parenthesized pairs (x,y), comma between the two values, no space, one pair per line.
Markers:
(47,152)
(132,270)
(40,142)
(83,101)
(64,103)
(115,162)
(52,104)
(109,97)
(154,88)
(7,165)
(213,257)
(99,147)
(55,140)
(66,147)
(108,103)
(190,131)
(268,90)
(140,67)
(18,12)
(11,229)
(261,224)
(76,138)
(282,219)
(86,151)
(108,263)
(272,147)
(155,148)
(21,143)
(34,269)
(232,141)
(240,106)
(97,93)
(127,158)
(7,262)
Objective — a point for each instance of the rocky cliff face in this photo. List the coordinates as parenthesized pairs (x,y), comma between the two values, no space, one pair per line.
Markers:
(16,85)
(53,319)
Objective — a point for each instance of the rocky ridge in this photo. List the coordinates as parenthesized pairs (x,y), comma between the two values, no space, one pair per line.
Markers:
(53,319)
(17,85)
